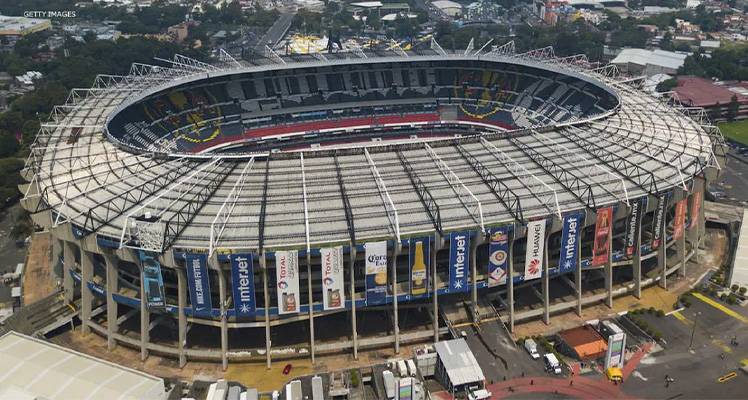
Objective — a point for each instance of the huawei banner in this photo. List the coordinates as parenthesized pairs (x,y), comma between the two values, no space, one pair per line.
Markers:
(535,248)
(695,209)
(376,273)
(332,278)
(418,250)
(680,218)
(197,277)
(633,227)
(243,279)
(498,254)
(459,262)
(287,276)
(659,217)
(601,250)
(570,243)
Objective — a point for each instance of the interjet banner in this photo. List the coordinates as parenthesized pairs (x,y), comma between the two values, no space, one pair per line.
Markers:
(197,278)
(535,249)
(287,276)
(601,249)
(332,278)
(680,219)
(418,250)
(633,227)
(695,209)
(459,262)
(376,273)
(570,243)
(242,276)
(153,282)
(498,255)
(659,217)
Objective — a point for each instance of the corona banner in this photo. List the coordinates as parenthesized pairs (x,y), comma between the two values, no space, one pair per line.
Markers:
(498,256)
(459,262)
(659,217)
(695,209)
(633,227)
(376,273)
(601,249)
(680,219)
(332,278)
(197,277)
(287,276)
(570,243)
(418,250)
(535,249)
(242,277)
(153,282)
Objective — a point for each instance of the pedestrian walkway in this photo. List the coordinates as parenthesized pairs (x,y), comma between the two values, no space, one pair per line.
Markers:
(578,387)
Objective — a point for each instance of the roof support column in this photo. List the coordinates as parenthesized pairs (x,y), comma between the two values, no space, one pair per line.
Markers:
(352,261)
(145,320)
(67,279)
(224,317)
(263,263)
(311,302)
(609,270)
(182,300)
(474,271)
(434,283)
(545,286)
(578,279)
(510,284)
(112,286)
(395,253)
(637,265)
(662,249)
(86,294)
(696,220)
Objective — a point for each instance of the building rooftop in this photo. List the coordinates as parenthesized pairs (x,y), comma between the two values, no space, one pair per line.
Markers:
(699,92)
(21,25)
(585,341)
(660,58)
(459,362)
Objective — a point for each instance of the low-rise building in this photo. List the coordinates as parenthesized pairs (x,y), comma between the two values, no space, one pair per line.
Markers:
(648,62)
(20,26)
(693,91)
(456,367)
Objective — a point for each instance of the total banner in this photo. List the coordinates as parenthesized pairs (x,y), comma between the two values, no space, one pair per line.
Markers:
(535,249)
(419,262)
(376,273)
(695,209)
(680,218)
(332,278)
(287,276)
(197,277)
(601,249)
(242,277)
(633,227)
(570,243)
(659,217)
(153,283)
(459,262)
(498,255)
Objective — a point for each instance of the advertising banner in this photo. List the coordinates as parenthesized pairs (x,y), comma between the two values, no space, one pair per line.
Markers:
(680,218)
(633,227)
(601,250)
(287,276)
(419,262)
(197,278)
(570,243)
(376,273)
(498,256)
(535,249)
(658,221)
(695,209)
(614,356)
(242,277)
(459,262)
(332,278)
(153,282)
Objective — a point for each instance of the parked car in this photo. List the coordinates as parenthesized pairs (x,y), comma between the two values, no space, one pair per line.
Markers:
(287,369)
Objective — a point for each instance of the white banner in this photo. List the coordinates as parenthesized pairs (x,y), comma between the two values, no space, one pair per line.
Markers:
(616,346)
(376,273)
(332,278)
(534,250)
(287,274)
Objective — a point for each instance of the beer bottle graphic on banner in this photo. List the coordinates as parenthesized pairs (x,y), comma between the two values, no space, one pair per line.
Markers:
(418,272)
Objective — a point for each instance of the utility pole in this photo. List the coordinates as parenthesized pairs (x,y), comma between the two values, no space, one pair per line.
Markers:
(695,320)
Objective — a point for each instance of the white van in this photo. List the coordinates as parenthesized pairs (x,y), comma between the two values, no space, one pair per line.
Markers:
(532,348)
(551,362)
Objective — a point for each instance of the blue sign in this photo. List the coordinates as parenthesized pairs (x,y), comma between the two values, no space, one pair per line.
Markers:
(418,250)
(498,254)
(197,278)
(459,262)
(243,281)
(570,243)
(153,282)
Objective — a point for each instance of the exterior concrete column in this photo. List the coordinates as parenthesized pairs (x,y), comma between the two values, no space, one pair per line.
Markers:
(681,252)
(435,284)
(56,250)
(510,283)
(112,287)
(637,265)
(67,279)
(546,284)
(354,333)
(86,294)
(395,253)
(182,326)
(224,319)
(662,252)
(145,321)
(609,266)
(578,279)
(474,272)
(311,301)
(263,263)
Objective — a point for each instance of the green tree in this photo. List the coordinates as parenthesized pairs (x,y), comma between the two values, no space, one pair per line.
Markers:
(732,112)
(29,131)
(8,144)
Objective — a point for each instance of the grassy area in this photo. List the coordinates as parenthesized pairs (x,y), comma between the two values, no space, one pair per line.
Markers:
(737,131)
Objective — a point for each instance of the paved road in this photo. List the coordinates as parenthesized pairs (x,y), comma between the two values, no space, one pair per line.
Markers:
(10,254)
(276,32)
(434,13)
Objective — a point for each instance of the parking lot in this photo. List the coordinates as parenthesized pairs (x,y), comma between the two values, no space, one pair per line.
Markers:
(732,187)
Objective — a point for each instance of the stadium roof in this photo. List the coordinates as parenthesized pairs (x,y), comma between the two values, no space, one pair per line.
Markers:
(700,92)
(33,368)
(459,362)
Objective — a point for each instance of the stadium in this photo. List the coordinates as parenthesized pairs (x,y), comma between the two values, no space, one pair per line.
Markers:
(295,206)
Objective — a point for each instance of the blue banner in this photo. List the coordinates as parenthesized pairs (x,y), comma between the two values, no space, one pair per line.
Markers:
(376,273)
(242,277)
(153,282)
(498,254)
(459,262)
(418,249)
(570,243)
(197,278)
